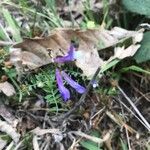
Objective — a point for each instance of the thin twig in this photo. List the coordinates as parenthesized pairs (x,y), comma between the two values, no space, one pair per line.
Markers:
(17,147)
(6,43)
(135,108)
(132,112)
(92,138)
(127,134)
(81,101)
(10,146)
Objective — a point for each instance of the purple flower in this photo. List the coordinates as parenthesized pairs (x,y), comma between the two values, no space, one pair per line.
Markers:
(71,56)
(63,91)
(68,57)
(80,89)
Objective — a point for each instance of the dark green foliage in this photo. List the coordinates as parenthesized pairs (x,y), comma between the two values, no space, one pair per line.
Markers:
(138,6)
(143,53)
(90,145)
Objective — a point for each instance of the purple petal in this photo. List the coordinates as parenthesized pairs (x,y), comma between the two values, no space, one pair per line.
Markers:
(63,91)
(68,57)
(75,85)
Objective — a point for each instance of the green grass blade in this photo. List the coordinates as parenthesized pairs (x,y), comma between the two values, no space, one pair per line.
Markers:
(135,68)
(123,145)
(3,34)
(109,65)
(90,145)
(11,23)
(51,4)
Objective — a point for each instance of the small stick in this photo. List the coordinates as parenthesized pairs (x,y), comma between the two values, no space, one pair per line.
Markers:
(6,43)
(80,102)
(135,108)
(92,138)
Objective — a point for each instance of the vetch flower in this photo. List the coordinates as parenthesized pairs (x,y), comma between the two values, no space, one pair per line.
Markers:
(63,91)
(80,89)
(68,57)
(71,56)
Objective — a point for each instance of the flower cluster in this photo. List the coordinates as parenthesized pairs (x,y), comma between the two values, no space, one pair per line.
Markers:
(61,74)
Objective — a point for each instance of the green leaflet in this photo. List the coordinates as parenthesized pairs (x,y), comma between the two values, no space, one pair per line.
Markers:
(135,68)
(143,54)
(90,145)
(138,6)
(12,24)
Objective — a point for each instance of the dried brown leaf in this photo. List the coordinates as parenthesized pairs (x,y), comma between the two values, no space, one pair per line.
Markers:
(35,143)
(6,113)
(121,52)
(5,127)
(3,143)
(40,51)
(7,88)
(88,62)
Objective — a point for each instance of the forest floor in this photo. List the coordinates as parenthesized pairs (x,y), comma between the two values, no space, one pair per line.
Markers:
(74,75)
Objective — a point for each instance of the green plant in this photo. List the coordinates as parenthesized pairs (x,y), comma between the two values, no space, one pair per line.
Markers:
(12,23)
(90,145)
(143,53)
(45,83)
(123,145)
(138,6)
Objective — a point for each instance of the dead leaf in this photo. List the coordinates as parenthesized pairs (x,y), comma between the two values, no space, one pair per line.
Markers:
(29,59)
(35,143)
(89,60)
(5,127)
(6,113)
(121,52)
(40,51)
(3,143)
(7,88)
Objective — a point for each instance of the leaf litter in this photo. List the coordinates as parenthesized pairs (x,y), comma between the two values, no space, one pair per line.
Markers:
(34,53)
(37,52)
(7,88)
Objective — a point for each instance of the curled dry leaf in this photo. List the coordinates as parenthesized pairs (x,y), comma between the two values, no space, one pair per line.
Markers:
(40,51)
(4,127)
(35,143)
(6,113)
(87,60)
(122,53)
(7,88)
(3,143)
(30,59)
